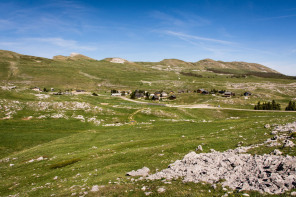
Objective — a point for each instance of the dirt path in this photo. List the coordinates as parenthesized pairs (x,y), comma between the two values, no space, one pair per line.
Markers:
(13,69)
(202,106)
(131,117)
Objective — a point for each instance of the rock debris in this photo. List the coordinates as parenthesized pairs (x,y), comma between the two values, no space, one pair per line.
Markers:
(268,173)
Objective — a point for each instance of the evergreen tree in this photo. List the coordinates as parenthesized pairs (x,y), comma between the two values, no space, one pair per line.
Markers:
(133,95)
(147,95)
(267,106)
(291,106)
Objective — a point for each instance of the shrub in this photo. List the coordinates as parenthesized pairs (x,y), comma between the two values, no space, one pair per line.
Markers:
(64,163)
(191,74)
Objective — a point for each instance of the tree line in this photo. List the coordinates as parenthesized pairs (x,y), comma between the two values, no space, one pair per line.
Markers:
(274,106)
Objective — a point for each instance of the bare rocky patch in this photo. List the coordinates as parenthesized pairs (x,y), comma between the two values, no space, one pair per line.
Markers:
(268,173)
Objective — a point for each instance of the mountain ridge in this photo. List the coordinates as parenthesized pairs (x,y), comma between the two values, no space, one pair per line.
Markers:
(175,63)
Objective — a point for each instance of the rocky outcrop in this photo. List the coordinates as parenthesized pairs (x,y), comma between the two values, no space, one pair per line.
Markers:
(140,172)
(264,173)
(270,173)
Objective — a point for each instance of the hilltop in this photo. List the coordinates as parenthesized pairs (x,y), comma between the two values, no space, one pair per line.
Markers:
(73,56)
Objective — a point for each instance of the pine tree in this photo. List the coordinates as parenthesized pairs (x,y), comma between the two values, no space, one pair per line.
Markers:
(291,106)
(133,95)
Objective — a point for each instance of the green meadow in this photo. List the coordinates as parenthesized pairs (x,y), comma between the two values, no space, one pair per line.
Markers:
(63,145)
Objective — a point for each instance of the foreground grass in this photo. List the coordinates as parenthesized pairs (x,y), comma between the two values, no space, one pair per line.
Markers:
(103,155)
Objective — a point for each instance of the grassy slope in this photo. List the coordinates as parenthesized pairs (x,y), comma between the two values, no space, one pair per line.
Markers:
(107,153)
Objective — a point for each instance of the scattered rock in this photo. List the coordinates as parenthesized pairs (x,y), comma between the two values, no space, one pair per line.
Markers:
(95,188)
(199,148)
(148,193)
(277,152)
(143,188)
(288,143)
(293,194)
(40,158)
(161,190)
(267,126)
(11,164)
(274,132)
(140,172)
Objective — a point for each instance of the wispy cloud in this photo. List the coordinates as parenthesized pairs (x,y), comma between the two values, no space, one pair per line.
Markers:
(60,42)
(57,42)
(189,38)
(278,17)
(46,18)
(179,18)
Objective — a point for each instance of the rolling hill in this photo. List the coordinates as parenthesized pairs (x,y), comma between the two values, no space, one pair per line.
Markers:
(79,71)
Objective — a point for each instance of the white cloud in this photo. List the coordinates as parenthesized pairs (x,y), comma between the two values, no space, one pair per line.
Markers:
(46,47)
(60,42)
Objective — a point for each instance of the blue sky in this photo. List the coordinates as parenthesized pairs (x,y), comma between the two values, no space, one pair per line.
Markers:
(259,31)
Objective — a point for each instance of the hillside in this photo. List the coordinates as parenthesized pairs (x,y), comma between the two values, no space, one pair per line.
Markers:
(63,134)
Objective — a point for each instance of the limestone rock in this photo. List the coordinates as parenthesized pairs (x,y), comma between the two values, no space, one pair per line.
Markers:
(199,148)
(267,126)
(140,172)
(95,188)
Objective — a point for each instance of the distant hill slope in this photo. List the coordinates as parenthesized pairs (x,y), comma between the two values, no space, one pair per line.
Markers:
(212,64)
(73,56)
(79,71)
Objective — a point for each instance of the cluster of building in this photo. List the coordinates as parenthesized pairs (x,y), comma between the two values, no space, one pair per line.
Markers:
(160,95)
(138,94)
(224,93)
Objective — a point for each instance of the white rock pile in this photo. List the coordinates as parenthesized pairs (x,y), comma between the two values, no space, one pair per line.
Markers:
(270,173)
(264,173)
(140,172)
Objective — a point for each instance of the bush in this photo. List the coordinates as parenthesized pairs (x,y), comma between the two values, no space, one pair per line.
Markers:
(64,163)
(191,74)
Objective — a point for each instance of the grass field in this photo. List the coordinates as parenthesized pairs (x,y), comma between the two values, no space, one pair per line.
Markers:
(63,145)
(103,154)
